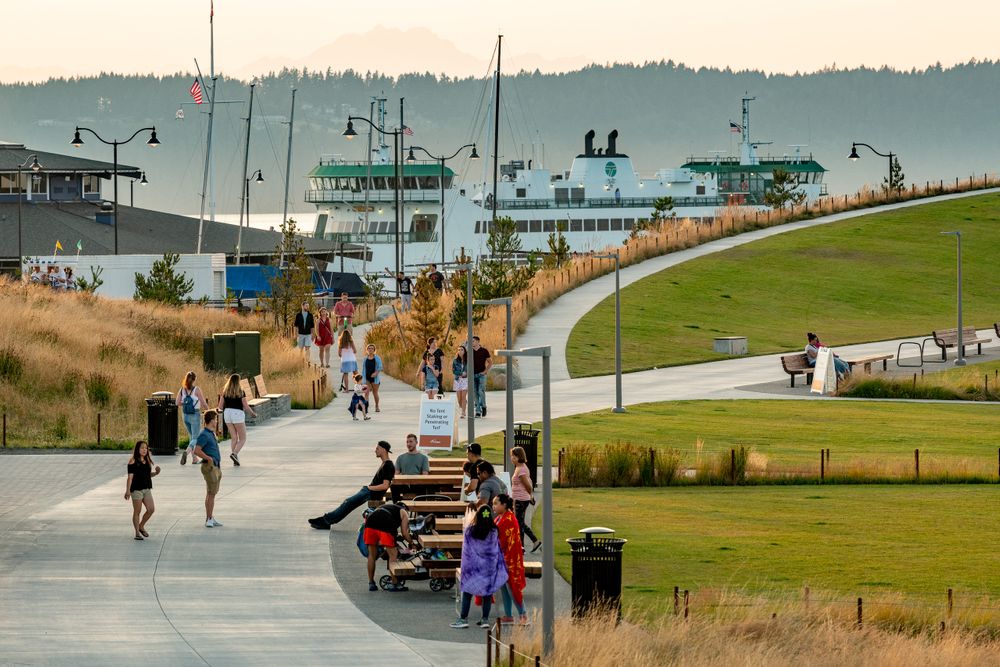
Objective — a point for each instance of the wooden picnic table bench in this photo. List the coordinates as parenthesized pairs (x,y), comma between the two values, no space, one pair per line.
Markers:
(436,507)
(867,362)
(443,542)
(948,338)
(447,464)
(532,570)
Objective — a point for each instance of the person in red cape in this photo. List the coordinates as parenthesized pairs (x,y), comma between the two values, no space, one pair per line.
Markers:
(509,532)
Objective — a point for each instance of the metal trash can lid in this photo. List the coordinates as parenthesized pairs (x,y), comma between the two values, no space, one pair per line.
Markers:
(596,530)
(162,394)
(520,426)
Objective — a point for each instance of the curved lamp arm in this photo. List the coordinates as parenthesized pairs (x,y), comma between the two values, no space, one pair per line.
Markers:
(350,133)
(854,151)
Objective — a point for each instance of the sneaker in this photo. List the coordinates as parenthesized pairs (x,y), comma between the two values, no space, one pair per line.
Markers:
(460,624)
(319,523)
(212,523)
(484,410)
(483,623)
(396,588)
(538,545)
(184,457)
(236,459)
(372,588)
(367,417)
(354,418)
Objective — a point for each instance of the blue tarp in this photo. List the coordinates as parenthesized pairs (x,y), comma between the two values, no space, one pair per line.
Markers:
(250,281)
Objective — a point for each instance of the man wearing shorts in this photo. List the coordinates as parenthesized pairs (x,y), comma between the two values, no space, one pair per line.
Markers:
(207,449)
(304,325)
(380,531)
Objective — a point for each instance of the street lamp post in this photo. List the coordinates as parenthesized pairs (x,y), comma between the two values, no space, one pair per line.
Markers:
(153,142)
(442,160)
(397,136)
(618,329)
(257,178)
(854,157)
(509,389)
(960,360)
(548,569)
(131,189)
(35,167)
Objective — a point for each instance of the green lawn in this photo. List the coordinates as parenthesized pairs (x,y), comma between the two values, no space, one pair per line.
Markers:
(878,277)
(789,432)
(846,540)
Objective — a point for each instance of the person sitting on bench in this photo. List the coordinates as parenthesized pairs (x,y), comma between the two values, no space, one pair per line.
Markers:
(812,351)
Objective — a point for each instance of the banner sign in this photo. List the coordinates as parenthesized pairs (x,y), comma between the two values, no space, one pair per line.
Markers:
(825,373)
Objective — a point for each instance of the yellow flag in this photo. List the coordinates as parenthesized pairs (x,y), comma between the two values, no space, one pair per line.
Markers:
(58,246)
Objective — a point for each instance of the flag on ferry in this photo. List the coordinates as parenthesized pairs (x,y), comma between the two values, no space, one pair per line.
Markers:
(407,131)
(196,91)
(58,245)
(733,127)
(79,246)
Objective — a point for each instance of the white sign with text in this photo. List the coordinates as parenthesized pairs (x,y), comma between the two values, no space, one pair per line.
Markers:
(436,429)
(825,372)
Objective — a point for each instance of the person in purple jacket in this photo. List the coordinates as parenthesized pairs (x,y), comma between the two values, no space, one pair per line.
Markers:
(484,571)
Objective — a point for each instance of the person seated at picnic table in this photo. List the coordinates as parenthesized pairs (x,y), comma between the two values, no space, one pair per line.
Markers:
(484,571)
(509,533)
(380,532)
(490,486)
(374,491)
(412,462)
(474,454)
(812,351)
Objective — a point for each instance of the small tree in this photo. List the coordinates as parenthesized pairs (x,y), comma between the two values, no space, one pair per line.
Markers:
(663,210)
(292,284)
(894,184)
(558,246)
(498,275)
(374,289)
(427,312)
(164,284)
(784,190)
(92,285)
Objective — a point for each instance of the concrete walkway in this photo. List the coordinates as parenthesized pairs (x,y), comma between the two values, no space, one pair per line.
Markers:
(554,323)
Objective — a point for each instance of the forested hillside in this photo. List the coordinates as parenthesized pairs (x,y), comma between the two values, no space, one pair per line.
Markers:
(941,122)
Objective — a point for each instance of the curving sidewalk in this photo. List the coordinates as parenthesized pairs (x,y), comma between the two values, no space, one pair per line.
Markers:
(553,324)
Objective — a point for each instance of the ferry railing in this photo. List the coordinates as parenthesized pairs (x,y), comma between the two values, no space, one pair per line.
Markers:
(383,237)
(761,159)
(608,202)
(377,196)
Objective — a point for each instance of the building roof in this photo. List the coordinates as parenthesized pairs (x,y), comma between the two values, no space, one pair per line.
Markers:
(378,170)
(141,231)
(12,155)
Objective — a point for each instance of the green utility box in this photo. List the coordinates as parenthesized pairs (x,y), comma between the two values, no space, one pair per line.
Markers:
(224,353)
(247,353)
(208,353)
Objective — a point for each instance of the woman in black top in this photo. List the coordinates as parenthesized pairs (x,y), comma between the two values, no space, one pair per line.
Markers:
(234,407)
(139,486)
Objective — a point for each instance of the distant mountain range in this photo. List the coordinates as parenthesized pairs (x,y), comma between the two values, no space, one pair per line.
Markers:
(940,121)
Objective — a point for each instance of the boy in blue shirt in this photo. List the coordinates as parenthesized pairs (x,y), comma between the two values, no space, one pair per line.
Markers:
(207,448)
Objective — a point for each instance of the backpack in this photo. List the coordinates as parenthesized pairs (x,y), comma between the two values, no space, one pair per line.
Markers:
(188,405)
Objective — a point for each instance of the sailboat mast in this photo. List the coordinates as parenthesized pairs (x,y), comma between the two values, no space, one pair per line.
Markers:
(496,129)
(243,181)
(211,73)
(402,194)
(208,154)
(368,184)
(288,159)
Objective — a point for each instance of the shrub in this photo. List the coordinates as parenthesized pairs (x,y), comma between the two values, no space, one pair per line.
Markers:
(889,388)
(70,381)
(578,461)
(11,365)
(60,430)
(619,466)
(98,387)
(668,463)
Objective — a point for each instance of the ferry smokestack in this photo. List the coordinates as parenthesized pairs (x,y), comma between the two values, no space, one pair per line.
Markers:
(588,143)
(612,139)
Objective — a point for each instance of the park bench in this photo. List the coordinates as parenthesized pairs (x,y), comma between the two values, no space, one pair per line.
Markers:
(948,338)
(867,362)
(447,465)
(260,406)
(532,570)
(797,364)
(281,404)
(996,327)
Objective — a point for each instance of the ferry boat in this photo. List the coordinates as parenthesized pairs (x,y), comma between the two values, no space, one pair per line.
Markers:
(595,203)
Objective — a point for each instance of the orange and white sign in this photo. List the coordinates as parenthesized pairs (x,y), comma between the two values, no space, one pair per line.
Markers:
(825,372)
(436,429)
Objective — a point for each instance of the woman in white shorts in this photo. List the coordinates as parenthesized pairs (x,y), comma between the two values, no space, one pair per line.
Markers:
(348,358)
(234,407)
(461,385)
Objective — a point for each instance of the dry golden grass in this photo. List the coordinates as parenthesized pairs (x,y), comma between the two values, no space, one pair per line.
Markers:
(752,636)
(80,355)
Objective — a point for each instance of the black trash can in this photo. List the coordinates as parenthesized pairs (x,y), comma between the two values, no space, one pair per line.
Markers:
(597,570)
(161,423)
(527,438)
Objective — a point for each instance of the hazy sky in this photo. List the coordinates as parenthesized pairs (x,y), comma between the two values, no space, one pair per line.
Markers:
(69,37)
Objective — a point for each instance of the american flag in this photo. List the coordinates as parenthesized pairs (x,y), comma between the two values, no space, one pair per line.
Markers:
(196,91)
(733,127)
(407,131)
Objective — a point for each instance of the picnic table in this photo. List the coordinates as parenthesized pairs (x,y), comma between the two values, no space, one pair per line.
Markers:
(409,486)
(443,542)
(436,507)
(447,464)
(867,362)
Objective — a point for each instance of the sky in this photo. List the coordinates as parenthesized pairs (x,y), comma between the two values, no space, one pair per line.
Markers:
(73,38)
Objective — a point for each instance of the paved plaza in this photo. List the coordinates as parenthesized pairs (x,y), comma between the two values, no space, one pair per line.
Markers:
(75,589)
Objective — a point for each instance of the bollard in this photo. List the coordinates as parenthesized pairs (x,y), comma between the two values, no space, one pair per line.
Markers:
(732,464)
(489,647)
(806,598)
(98,429)
(496,643)
(510,655)
(827,457)
(538,661)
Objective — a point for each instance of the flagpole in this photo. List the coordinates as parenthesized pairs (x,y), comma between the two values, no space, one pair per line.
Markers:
(211,71)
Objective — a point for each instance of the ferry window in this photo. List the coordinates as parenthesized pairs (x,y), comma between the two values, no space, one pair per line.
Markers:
(549,225)
(602,225)
(616,224)
(535,226)
(356,227)
(628,223)
(409,183)
(589,225)
(355,185)
(698,190)
(378,182)
(383,227)
(390,183)
(448,183)
(477,226)
(576,225)
(562,194)
(429,183)
(373,226)
(578,194)
(522,226)
(521,193)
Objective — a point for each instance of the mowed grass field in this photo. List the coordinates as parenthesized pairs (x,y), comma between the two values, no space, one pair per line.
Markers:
(791,432)
(880,542)
(877,277)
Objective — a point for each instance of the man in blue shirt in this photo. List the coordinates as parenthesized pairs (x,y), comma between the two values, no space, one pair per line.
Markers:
(207,448)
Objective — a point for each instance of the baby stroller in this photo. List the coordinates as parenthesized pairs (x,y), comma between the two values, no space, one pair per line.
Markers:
(423,525)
